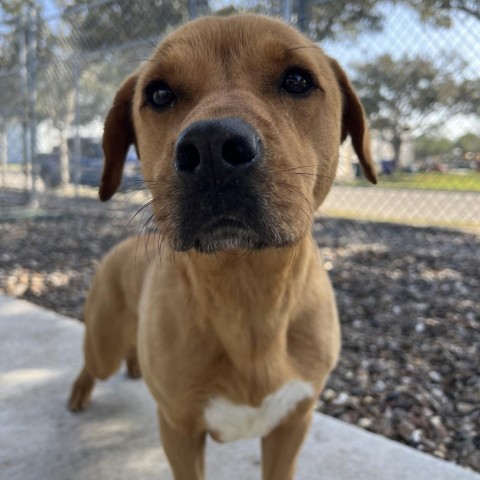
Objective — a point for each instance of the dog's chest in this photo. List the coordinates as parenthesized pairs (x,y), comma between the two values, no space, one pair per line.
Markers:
(229,421)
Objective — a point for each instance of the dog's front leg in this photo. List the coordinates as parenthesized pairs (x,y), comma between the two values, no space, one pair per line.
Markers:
(281,446)
(185,452)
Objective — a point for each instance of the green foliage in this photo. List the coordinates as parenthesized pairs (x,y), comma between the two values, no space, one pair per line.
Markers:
(412,94)
(426,146)
(469,142)
(124,21)
(12,8)
(332,18)
(440,12)
(450,152)
(400,94)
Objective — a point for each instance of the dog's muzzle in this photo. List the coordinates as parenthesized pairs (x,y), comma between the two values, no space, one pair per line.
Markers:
(217,164)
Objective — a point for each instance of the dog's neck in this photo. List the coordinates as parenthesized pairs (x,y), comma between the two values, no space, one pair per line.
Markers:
(248,299)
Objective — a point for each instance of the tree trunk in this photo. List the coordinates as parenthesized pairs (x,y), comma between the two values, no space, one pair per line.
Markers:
(64,130)
(303,15)
(64,159)
(3,153)
(397,144)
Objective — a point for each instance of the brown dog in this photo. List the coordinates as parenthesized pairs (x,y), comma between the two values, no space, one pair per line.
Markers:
(237,122)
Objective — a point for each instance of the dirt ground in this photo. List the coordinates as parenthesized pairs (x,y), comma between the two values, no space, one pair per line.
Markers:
(409,301)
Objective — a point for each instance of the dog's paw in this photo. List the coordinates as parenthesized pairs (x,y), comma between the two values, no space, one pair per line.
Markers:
(133,368)
(81,392)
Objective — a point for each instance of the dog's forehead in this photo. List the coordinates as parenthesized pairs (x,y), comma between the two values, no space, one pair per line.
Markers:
(238,41)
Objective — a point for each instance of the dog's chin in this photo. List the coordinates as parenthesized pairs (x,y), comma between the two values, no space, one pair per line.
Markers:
(228,235)
(227,239)
(222,235)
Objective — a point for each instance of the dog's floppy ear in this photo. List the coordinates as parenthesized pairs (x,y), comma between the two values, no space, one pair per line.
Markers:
(354,123)
(118,135)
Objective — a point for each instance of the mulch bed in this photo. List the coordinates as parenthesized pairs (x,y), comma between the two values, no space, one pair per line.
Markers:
(409,301)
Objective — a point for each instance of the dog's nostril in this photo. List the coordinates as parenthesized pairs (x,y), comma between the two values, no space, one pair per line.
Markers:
(238,151)
(188,158)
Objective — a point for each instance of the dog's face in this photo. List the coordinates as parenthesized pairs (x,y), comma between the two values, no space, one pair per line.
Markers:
(237,122)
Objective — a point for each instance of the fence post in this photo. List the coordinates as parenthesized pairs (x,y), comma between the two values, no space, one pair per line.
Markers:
(303,15)
(3,152)
(192,9)
(77,163)
(287,10)
(22,53)
(32,97)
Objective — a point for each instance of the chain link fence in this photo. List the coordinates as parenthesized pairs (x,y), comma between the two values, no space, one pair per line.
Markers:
(416,69)
(408,297)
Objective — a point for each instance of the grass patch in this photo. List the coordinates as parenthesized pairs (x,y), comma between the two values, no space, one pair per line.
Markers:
(465,182)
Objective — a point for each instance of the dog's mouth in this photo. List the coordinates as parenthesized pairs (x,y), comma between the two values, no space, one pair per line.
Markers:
(236,214)
(226,233)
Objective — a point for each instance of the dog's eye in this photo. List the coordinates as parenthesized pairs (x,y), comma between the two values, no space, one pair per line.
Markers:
(297,82)
(159,95)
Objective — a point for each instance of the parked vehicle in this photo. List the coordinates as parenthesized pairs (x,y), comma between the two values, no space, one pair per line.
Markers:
(85,169)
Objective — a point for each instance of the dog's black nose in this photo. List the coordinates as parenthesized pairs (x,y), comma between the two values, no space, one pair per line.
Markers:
(218,146)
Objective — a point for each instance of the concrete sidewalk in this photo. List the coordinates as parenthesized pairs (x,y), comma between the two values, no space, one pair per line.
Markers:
(117,437)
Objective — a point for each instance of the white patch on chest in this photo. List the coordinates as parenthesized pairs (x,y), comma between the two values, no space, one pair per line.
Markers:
(231,422)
